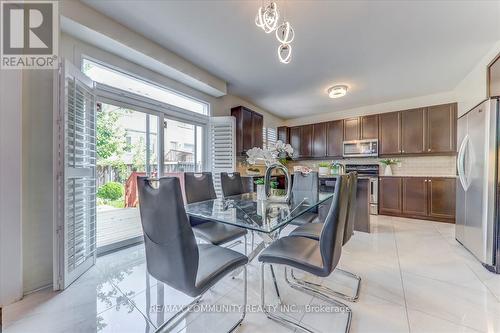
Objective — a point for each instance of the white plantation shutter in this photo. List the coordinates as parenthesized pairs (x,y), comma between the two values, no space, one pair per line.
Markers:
(269,137)
(222,148)
(76,181)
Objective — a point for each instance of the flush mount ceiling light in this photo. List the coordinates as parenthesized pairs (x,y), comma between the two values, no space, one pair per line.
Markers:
(267,19)
(337,91)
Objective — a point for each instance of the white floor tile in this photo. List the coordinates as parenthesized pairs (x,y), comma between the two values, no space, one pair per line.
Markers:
(415,277)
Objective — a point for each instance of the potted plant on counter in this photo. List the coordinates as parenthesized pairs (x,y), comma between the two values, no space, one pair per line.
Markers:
(388,165)
(323,168)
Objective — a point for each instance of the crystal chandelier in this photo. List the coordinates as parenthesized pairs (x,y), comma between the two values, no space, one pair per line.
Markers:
(267,19)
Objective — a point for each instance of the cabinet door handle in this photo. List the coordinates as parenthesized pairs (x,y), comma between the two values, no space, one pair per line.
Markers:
(425,180)
(430,181)
(429,149)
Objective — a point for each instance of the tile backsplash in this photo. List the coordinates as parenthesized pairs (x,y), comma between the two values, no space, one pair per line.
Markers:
(408,166)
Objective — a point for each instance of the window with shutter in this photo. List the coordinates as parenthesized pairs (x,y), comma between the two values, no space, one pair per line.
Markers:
(76,178)
(222,148)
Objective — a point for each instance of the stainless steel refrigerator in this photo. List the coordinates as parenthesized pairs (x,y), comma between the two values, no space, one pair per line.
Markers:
(477,185)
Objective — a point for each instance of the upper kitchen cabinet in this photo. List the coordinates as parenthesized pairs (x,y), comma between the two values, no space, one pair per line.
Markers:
(306,141)
(351,129)
(427,131)
(319,140)
(369,127)
(412,131)
(361,128)
(295,133)
(390,133)
(283,134)
(334,138)
(248,129)
(441,128)
(494,78)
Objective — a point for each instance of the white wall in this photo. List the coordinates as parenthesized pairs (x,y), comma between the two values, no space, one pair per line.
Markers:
(92,26)
(74,50)
(37,178)
(473,88)
(440,98)
(10,186)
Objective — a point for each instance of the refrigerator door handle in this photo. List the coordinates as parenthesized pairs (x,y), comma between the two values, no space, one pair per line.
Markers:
(461,162)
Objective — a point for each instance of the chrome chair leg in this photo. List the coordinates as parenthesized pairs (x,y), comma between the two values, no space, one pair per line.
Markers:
(280,301)
(355,297)
(277,318)
(178,316)
(322,293)
(331,292)
(185,310)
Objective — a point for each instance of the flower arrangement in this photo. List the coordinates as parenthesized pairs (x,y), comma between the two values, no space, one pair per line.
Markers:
(389,161)
(280,152)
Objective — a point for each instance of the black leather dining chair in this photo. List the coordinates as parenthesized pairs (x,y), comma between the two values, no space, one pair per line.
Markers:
(305,186)
(231,184)
(200,187)
(313,231)
(317,257)
(172,254)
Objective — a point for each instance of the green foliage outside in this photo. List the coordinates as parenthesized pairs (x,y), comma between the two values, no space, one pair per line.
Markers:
(111,191)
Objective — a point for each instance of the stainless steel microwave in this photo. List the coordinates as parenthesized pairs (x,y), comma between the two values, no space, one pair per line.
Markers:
(360,148)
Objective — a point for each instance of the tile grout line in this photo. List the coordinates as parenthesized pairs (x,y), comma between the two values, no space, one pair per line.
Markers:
(432,315)
(401,277)
(468,267)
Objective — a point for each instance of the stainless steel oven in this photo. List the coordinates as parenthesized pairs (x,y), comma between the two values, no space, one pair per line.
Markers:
(369,171)
(360,148)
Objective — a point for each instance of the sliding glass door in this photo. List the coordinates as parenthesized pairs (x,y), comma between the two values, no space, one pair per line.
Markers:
(182,146)
(127,147)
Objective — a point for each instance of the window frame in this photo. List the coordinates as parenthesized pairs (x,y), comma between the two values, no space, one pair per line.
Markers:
(127,99)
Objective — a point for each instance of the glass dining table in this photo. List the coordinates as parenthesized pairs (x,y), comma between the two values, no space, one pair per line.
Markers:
(266,219)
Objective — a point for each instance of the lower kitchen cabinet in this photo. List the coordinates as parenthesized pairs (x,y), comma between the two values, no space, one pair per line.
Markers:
(414,196)
(428,198)
(389,201)
(442,196)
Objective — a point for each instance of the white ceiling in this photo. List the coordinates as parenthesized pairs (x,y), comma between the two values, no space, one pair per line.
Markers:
(384,50)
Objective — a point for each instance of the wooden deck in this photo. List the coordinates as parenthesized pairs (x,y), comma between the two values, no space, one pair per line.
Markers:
(117,224)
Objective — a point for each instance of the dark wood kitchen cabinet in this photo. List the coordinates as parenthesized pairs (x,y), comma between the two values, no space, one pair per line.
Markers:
(295,133)
(390,133)
(283,134)
(426,131)
(319,140)
(361,128)
(334,138)
(351,129)
(390,196)
(441,192)
(427,198)
(306,141)
(441,128)
(248,129)
(414,196)
(412,131)
(369,127)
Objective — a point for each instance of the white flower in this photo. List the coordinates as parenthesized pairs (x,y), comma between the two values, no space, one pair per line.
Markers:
(288,149)
(254,154)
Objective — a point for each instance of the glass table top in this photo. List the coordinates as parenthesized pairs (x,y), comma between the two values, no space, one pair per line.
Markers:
(247,212)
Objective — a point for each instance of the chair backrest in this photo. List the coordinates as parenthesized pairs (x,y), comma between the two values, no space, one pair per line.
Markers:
(332,234)
(231,184)
(305,185)
(199,187)
(171,250)
(351,207)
